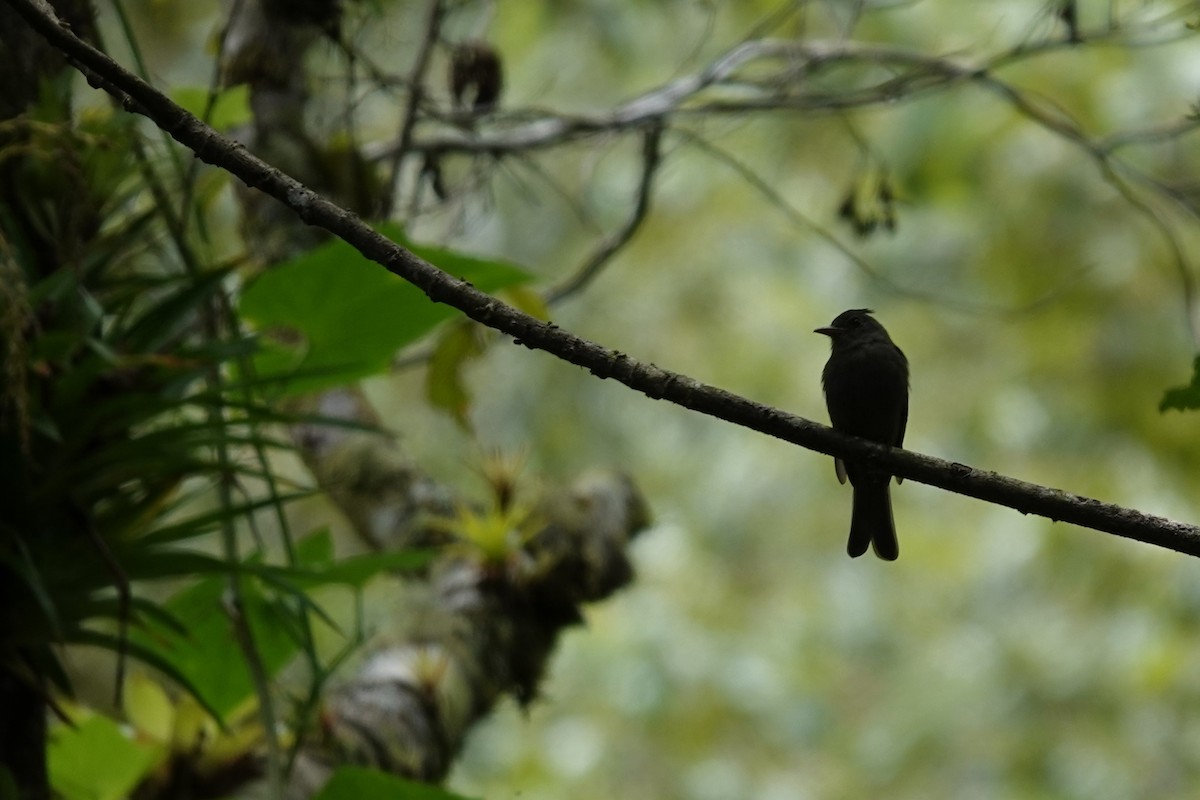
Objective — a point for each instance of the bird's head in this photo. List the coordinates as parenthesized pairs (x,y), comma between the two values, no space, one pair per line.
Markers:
(855,325)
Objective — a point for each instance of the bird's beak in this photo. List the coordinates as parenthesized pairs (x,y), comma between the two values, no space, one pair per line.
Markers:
(827,331)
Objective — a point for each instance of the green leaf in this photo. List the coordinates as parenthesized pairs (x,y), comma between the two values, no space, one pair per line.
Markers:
(486,275)
(207,659)
(161,563)
(25,569)
(527,299)
(139,607)
(170,315)
(334,312)
(316,549)
(206,523)
(231,107)
(444,385)
(94,760)
(147,655)
(1184,398)
(353,571)
(360,783)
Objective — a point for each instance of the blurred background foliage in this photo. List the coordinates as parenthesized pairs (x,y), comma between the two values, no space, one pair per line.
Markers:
(1041,307)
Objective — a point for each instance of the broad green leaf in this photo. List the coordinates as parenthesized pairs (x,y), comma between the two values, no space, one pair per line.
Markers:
(526,298)
(360,783)
(486,275)
(1184,398)
(316,549)
(230,109)
(333,311)
(93,759)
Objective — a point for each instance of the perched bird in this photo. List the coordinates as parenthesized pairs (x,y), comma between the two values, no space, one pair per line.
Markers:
(475,65)
(866,391)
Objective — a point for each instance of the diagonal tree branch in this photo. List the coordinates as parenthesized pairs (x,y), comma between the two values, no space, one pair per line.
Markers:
(657,383)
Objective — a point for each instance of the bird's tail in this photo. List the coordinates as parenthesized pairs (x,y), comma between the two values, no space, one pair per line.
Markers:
(871,520)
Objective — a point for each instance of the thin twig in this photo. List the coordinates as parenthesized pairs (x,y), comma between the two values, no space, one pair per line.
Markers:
(1156,134)
(646,378)
(593,264)
(416,91)
(570,202)
(1058,121)
(210,103)
(124,599)
(236,608)
(601,256)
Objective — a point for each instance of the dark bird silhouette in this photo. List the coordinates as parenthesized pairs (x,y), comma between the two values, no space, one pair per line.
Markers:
(866,391)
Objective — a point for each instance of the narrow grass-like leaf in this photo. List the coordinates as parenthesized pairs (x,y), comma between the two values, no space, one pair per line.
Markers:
(354,571)
(164,320)
(207,523)
(147,655)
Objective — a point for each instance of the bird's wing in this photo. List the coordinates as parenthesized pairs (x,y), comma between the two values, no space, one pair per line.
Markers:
(903,426)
